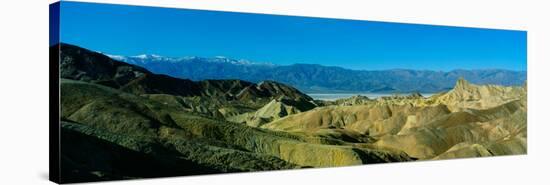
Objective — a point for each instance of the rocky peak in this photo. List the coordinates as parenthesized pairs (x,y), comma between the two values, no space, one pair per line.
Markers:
(461,83)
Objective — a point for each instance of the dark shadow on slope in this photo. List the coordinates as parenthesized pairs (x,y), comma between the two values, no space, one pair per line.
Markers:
(86,158)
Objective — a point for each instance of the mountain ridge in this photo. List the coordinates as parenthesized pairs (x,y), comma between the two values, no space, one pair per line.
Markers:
(318,78)
(81,64)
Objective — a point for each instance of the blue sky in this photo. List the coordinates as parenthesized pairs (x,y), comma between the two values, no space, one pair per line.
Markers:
(284,40)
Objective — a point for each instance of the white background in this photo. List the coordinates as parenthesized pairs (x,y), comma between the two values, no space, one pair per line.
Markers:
(24,90)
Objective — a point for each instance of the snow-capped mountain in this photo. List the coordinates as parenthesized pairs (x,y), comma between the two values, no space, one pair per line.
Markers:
(145,59)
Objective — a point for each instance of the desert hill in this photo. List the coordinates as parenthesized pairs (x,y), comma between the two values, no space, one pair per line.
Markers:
(475,118)
(218,98)
(118,121)
(132,121)
(276,109)
(467,95)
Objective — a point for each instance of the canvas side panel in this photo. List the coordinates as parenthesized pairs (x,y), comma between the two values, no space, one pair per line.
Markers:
(54,16)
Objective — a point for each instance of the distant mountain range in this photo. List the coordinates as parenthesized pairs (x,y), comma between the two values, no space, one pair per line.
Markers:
(317,78)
